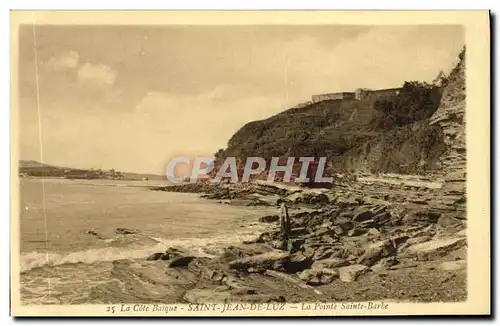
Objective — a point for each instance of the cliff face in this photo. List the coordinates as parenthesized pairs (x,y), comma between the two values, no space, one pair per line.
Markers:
(343,131)
(411,149)
(450,117)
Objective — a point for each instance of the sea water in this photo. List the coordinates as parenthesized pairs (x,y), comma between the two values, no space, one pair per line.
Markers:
(68,231)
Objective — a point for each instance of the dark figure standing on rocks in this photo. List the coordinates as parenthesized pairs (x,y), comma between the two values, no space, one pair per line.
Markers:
(285,226)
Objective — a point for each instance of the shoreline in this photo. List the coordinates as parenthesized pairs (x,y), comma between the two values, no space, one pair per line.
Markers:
(355,242)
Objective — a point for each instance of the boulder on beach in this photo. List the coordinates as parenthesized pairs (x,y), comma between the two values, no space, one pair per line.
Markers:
(318,276)
(352,272)
(374,252)
(436,248)
(177,257)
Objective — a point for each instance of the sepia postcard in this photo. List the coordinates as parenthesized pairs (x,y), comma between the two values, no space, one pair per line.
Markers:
(250,163)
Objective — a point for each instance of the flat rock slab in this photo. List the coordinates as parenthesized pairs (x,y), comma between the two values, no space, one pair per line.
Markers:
(264,261)
(453,265)
(351,273)
(436,248)
(147,282)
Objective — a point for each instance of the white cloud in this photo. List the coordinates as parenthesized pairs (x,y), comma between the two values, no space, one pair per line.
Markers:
(198,124)
(63,61)
(382,57)
(97,74)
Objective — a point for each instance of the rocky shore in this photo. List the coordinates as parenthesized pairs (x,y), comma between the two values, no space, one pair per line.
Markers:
(385,238)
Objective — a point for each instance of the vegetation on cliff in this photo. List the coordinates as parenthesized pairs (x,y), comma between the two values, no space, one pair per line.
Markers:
(390,134)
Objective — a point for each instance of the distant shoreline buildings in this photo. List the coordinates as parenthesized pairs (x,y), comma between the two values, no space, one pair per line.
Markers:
(362,94)
(359,94)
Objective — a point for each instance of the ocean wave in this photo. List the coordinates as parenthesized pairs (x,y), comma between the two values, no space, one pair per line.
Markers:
(207,247)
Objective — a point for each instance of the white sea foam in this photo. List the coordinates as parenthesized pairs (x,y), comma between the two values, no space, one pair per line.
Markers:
(197,246)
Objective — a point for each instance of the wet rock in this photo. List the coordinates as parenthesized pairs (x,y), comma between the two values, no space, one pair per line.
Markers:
(351,273)
(268,260)
(318,276)
(435,248)
(329,263)
(269,218)
(374,252)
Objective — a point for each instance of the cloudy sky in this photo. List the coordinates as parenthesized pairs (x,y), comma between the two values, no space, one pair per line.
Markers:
(132,97)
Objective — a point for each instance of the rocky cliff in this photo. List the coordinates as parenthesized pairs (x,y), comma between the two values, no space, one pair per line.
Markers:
(450,117)
(347,132)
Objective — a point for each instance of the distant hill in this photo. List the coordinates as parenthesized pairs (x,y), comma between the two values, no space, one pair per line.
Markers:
(32,168)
